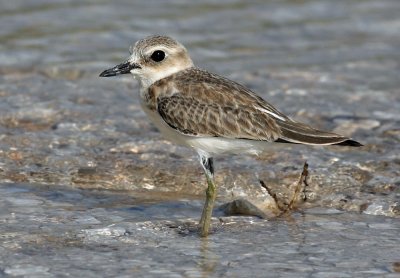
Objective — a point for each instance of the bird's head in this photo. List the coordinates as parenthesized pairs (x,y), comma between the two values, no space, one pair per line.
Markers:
(152,59)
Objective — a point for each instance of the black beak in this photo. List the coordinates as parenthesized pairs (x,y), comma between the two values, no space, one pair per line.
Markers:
(123,68)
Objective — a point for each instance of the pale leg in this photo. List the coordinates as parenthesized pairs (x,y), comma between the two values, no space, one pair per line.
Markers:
(211,193)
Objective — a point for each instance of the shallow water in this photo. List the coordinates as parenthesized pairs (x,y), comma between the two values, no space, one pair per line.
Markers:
(92,233)
(84,176)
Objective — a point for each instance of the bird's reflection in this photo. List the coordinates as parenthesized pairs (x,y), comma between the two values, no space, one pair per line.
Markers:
(208,259)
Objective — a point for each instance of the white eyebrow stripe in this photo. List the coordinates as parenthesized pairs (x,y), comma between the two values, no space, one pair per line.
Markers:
(271,113)
(157,47)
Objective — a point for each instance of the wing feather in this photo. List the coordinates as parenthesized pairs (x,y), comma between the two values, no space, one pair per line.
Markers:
(198,103)
(194,117)
(295,132)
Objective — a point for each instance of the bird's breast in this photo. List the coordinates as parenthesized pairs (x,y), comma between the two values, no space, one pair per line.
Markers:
(148,104)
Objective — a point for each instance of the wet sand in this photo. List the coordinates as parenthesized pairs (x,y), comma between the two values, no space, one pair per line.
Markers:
(89,187)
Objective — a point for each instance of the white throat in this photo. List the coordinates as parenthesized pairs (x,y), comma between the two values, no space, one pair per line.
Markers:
(148,77)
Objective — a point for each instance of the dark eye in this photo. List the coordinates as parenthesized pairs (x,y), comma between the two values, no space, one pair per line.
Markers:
(158,56)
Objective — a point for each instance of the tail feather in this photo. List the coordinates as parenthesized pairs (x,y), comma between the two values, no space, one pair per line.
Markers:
(298,133)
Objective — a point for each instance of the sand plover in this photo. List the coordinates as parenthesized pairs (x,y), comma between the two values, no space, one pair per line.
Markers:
(207,112)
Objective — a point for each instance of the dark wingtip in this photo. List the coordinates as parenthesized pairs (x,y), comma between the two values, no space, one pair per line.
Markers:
(350,142)
(280,140)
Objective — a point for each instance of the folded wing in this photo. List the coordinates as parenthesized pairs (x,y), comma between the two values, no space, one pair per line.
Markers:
(198,118)
(200,103)
(298,133)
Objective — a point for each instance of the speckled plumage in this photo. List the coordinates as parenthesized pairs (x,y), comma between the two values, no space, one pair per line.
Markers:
(198,103)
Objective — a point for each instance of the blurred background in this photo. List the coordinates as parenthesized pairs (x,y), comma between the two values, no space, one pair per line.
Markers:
(64,130)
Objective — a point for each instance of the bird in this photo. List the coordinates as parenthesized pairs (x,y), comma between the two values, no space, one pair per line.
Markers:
(207,112)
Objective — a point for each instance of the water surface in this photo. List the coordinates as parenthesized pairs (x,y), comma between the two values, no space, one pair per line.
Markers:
(89,187)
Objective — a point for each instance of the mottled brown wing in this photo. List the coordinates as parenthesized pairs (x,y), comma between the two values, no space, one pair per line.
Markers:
(212,88)
(200,103)
(196,117)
